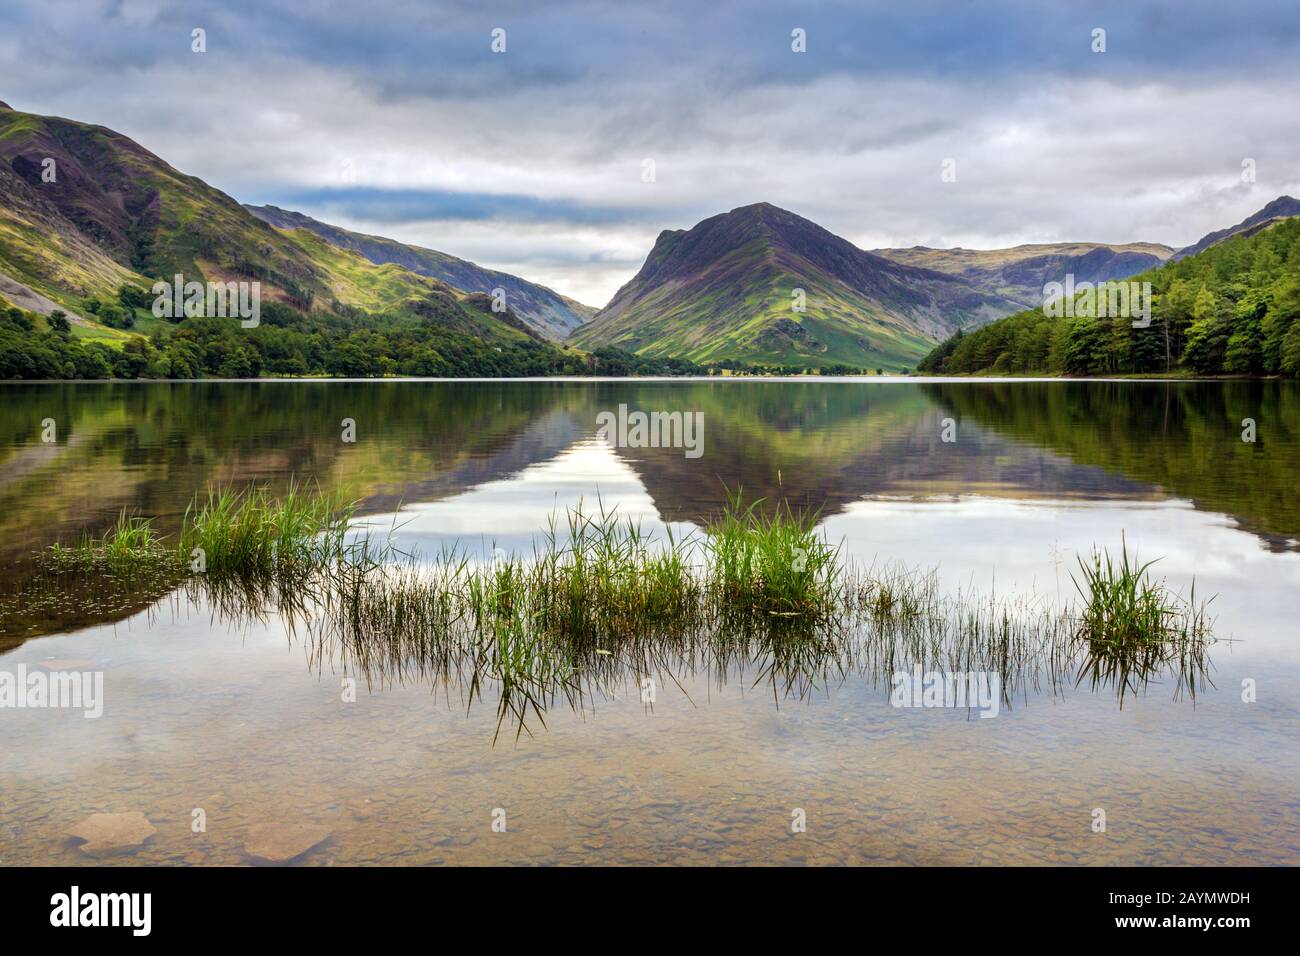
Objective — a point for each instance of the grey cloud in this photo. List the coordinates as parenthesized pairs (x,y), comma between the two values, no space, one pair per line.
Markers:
(533,159)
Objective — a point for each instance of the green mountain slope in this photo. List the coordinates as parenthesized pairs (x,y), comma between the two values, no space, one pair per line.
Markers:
(85,211)
(546,311)
(43,255)
(723,290)
(1233,308)
(90,240)
(138,212)
(1020,272)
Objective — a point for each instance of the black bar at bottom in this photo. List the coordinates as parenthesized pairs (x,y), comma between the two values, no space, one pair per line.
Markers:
(333,905)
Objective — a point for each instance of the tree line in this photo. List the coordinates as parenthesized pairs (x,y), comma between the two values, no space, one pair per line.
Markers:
(342,343)
(1232,309)
(349,343)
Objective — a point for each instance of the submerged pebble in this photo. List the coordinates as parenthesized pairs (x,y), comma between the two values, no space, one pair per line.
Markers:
(284,841)
(111,834)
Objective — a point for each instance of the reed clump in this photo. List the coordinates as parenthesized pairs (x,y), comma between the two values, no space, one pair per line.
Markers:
(245,532)
(601,578)
(774,564)
(1125,608)
(129,550)
(597,578)
(249,532)
(124,571)
(1134,626)
(600,601)
(246,546)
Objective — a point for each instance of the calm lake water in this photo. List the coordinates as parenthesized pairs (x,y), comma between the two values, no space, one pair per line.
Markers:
(243,716)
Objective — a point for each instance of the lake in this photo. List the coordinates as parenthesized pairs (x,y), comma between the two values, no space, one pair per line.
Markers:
(999,487)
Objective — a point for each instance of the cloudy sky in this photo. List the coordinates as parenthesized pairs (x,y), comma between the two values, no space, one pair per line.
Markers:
(396,117)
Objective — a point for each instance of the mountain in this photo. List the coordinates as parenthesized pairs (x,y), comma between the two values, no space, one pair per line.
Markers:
(115,209)
(1020,272)
(85,210)
(1281,208)
(723,290)
(546,311)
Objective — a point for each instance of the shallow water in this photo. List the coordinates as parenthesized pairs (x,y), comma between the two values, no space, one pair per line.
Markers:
(243,719)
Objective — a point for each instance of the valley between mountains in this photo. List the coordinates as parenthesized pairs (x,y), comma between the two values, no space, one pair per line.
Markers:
(90,220)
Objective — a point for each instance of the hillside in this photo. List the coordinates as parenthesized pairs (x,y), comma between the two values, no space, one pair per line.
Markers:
(1020,272)
(1233,308)
(546,311)
(115,214)
(722,290)
(117,209)
(81,249)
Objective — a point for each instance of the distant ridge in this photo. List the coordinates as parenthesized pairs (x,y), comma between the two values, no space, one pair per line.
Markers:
(1283,207)
(543,309)
(1020,272)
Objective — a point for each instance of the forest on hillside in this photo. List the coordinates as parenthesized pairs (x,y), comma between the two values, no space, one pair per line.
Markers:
(341,343)
(289,343)
(1233,309)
